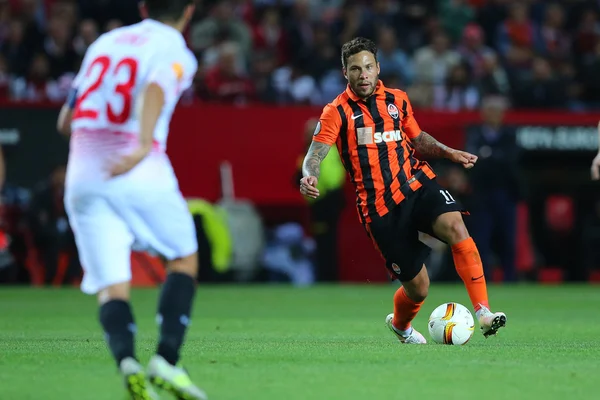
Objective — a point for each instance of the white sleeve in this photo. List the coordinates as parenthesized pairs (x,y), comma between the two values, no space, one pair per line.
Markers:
(85,64)
(173,75)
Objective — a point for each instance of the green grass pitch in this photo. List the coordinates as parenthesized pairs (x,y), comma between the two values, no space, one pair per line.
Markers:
(324,342)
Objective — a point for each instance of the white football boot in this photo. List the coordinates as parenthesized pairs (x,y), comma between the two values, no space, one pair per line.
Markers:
(174,380)
(414,338)
(490,322)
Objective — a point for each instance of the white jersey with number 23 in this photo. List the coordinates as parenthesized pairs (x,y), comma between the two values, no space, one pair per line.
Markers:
(115,71)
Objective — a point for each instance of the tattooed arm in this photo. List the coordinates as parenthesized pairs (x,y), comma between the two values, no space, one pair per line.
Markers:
(312,162)
(429,147)
(311,169)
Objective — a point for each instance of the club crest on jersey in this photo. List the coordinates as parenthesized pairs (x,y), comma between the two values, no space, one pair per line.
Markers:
(393,111)
(396,268)
(178,70)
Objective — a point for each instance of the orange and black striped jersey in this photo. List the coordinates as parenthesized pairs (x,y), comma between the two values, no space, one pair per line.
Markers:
(373,139)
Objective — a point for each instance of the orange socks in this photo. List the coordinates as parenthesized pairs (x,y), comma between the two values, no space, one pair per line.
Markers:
(470,269)
(405,310)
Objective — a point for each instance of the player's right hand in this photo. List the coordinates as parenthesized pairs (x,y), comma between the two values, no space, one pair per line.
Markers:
(127,162)
(308,186)
(595,169)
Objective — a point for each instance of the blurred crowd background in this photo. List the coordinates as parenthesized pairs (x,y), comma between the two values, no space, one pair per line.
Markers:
(448,54)
(451,56)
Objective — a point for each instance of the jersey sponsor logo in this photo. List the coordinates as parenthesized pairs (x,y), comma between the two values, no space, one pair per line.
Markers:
(366,136)
(387,136)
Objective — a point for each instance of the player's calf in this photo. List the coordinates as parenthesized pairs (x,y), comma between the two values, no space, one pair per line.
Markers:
(117,321)
(175,306)
(407,303)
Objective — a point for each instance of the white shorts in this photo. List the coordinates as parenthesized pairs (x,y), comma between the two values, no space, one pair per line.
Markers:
(109,221)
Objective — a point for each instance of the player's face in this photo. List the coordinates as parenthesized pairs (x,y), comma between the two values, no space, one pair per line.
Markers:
(362,73)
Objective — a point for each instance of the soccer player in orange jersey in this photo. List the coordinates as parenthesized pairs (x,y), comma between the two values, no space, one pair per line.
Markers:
(376,134)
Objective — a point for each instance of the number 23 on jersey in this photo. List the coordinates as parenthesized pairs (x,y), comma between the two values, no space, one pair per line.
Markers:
(102,66)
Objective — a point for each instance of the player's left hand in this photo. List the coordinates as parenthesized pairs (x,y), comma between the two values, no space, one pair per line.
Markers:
(467,160)
(127,162)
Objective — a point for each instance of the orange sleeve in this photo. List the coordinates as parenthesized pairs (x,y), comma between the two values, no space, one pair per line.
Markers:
(411,127)
(328,128)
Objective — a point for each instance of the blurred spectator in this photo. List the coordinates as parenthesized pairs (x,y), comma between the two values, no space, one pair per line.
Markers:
(5,18)
(59,49)
(392,60)
(587,33)
(473,50)
(51,231)
(490,16)
(325,10)
(455,15)
(334,82)
(414,16)
(351,23)
(5,80)
(458,93)
(591,77)
(433,62)
(263,65)
(326,210)
(225,82)
(323,55)
(300,30)
(14,48)
(553,41)
(496,187)
(518,31)
(295,86)
(431,66)
(221,22)
(105,11)
(35,86)
(381,14)
(87,34)
(269,35)
(543,90)
(113,24)
(494,79)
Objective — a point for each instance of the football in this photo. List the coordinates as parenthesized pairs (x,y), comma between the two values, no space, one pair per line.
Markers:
(451,323)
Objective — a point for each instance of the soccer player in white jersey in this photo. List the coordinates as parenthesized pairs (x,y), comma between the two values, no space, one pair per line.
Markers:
(121,189)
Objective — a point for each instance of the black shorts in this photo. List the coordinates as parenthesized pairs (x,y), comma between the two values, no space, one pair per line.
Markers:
(396,234)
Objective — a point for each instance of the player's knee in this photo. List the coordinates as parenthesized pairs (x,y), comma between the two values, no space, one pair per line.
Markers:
(458,230)
(187,265)
(451,228)
(119,291)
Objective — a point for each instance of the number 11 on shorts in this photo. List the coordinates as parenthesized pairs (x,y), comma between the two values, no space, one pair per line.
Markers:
(447,196)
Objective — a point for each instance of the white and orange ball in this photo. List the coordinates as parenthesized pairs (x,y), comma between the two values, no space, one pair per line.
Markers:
(451,323)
